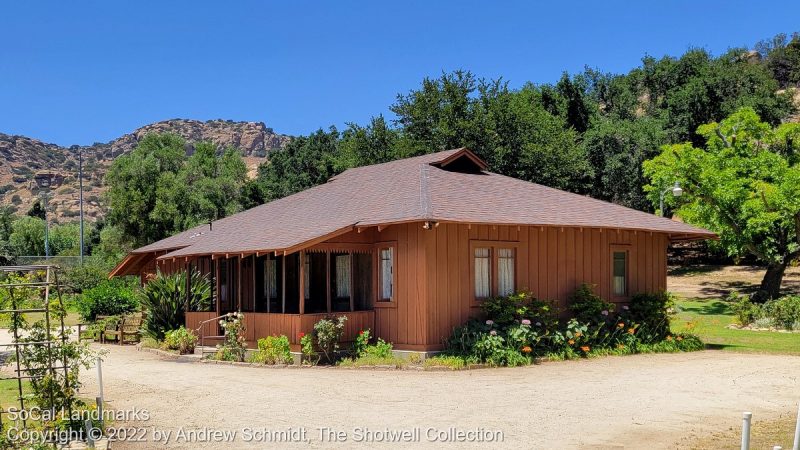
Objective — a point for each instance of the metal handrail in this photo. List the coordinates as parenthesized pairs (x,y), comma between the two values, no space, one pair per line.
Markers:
(202,332)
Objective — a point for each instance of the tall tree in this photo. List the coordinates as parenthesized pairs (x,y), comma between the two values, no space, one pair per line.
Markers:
(156,190)
(744,184)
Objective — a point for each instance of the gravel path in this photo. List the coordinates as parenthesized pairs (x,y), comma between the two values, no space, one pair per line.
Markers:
(644,401)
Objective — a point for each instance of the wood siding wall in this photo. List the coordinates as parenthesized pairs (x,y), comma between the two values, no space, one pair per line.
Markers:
(551,262)
(434,291)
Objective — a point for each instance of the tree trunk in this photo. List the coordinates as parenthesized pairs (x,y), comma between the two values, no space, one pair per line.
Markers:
(771,284)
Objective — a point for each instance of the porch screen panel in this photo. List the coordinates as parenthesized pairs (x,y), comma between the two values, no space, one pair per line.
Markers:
(362,281)
(505,271)
(387,263)
(483,266)
(340,282)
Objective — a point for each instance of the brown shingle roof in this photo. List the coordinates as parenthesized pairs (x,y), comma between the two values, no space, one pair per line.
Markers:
(412,189)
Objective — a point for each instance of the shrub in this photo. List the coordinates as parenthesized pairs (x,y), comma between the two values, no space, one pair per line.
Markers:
(307,348)
(744,309)
(166,300)
(273,350)
(381,349)
(652,312)
(784,311)
(233,346)
(182,340)
(361,343)
(588,307)
(110,297)
(328,332)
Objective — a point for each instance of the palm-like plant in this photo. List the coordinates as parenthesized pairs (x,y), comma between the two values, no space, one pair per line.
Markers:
(166,300)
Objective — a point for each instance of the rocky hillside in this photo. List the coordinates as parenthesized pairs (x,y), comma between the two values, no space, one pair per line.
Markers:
(22,157)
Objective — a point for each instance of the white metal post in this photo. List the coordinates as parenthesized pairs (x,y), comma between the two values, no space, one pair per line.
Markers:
(100,378)
(746,418)
(796,445)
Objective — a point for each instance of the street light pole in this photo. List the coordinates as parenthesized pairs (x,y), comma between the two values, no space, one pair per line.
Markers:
(676,192)
(46,226)
(80,195)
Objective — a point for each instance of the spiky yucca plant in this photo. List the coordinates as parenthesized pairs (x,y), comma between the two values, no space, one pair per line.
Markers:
(166,300)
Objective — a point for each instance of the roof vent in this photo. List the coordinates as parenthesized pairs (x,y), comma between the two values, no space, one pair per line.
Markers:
(463,161)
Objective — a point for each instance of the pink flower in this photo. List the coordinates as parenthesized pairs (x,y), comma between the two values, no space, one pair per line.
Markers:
(605,313)
(490,322)
(493,333)
(625,307)
(526,322)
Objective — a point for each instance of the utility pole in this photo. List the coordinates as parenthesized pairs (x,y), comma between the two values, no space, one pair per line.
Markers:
(46,226)
(80,194)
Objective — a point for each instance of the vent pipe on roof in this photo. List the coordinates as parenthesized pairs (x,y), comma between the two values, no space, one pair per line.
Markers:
(210,226)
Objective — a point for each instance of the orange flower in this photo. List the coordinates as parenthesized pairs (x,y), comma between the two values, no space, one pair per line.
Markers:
(679,338)
(585,349)
(571,342)
(620,346)
(620,325)
(527,349)
(631,330)
(578,334)
(669,338)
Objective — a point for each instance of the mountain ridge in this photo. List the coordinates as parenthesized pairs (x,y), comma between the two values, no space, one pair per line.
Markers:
(21,157)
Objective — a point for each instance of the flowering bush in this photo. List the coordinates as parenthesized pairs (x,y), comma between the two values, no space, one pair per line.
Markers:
(518,328)
(588,307)
(361,343)
(328,332)
(233,347)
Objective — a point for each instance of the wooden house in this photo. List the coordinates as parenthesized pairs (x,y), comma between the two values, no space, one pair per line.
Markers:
(409,249)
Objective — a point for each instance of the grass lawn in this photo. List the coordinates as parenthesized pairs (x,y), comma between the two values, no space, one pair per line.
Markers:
(9,393)
(70,320)
(709,318)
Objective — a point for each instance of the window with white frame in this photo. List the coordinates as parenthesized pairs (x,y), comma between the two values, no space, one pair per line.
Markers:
(483,268)
(494,269)
(505,271)
(386,265)
(620,274)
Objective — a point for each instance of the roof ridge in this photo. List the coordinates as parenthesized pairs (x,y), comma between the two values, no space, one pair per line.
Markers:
(424,191)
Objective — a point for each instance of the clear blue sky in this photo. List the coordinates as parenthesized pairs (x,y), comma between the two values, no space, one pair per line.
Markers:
(79,72)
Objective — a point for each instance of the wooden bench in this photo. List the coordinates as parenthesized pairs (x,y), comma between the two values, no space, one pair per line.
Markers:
(131,327)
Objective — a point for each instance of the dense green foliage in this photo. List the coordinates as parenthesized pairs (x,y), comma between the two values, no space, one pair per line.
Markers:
(744,184)
(166,299)
(109,298)
(519,328)
(588,133)
(181,340)
(273,350)
(157,190)
(781,313)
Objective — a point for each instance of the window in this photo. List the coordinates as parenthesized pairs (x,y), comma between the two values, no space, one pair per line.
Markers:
(620,274)
(505,271)
(483,263)
(386,274)
(493,268)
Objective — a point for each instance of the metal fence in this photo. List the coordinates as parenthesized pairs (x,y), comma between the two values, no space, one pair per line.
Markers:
(60,261)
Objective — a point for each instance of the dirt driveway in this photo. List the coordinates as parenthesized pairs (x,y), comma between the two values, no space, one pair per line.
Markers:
(644,401)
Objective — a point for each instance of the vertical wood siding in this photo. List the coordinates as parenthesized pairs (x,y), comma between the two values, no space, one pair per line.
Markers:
(551,262)
(433,292)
